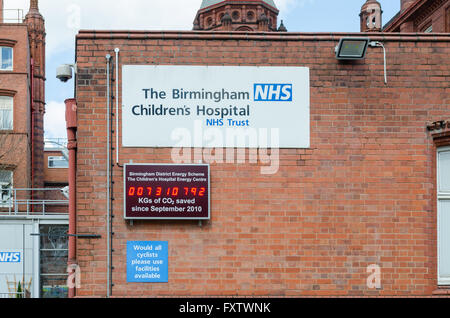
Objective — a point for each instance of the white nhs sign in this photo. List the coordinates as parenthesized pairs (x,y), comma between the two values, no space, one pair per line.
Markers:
(271,99)
(273,92)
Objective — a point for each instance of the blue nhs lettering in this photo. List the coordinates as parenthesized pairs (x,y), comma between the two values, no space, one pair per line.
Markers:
(273,92)
(9,257)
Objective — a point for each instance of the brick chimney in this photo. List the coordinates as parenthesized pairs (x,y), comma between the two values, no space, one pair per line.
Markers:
(405,4)
(36,37)
(408,26)
(1,11)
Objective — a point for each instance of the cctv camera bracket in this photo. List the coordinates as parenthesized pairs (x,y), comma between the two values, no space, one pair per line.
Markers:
(74,66)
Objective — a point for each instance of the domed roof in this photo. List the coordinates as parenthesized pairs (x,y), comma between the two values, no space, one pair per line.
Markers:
(208,3)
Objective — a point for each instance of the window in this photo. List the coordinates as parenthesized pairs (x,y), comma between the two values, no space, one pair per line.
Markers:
(6,58)
(58,162)
(443,210)
(429,29)
(53,261)
(6,113)
(6,177)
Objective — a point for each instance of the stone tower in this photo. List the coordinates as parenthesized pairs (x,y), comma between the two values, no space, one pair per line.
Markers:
(229,15)
(36,34)
(371,16)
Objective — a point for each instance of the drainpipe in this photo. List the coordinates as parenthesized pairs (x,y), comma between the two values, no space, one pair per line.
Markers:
(71,124)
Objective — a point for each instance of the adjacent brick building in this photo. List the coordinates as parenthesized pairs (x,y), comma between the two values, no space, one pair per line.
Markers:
(15,141)
(238,15)
(22,79)
(25,207)
(421,16)
(364,193)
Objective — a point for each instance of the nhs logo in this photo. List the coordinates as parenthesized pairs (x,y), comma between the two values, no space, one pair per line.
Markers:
(273,92)
(9,257)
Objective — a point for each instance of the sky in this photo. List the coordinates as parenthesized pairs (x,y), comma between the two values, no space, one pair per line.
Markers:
(64,18)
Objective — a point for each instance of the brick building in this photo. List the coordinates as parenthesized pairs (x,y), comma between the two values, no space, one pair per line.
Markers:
(22,92)
(368,195)
(421,16)
(248,16)
(27,208)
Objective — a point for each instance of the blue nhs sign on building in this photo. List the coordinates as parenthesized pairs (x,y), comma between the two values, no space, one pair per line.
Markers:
(273,92)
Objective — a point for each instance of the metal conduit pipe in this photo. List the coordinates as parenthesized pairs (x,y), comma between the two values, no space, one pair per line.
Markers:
(117,50)
(108,174)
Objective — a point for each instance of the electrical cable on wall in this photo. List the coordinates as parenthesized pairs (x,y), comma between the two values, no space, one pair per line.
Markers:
(379,44)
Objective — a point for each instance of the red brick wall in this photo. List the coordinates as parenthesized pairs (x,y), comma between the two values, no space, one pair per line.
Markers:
(19,153)
(362,194)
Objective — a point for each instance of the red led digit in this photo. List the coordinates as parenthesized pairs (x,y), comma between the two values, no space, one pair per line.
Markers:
(201,193)
(175,191)
(140,191)
(186,191)
(194,191)
(149,191)
(158,191)
(131,191)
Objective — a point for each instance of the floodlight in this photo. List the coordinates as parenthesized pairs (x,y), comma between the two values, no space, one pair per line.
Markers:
(352,48)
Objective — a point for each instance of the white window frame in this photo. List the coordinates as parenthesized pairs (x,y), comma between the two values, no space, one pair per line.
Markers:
(10,98)
(57,158)
(9,202)
(441,196)
(12,58)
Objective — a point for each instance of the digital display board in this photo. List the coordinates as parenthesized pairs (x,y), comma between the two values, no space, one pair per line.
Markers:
(166,191)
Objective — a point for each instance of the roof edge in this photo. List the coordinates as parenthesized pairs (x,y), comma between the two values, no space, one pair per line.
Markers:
(402,16)
(235,35)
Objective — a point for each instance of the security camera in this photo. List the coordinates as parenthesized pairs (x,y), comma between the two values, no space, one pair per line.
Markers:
(65,191)
(64,72)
